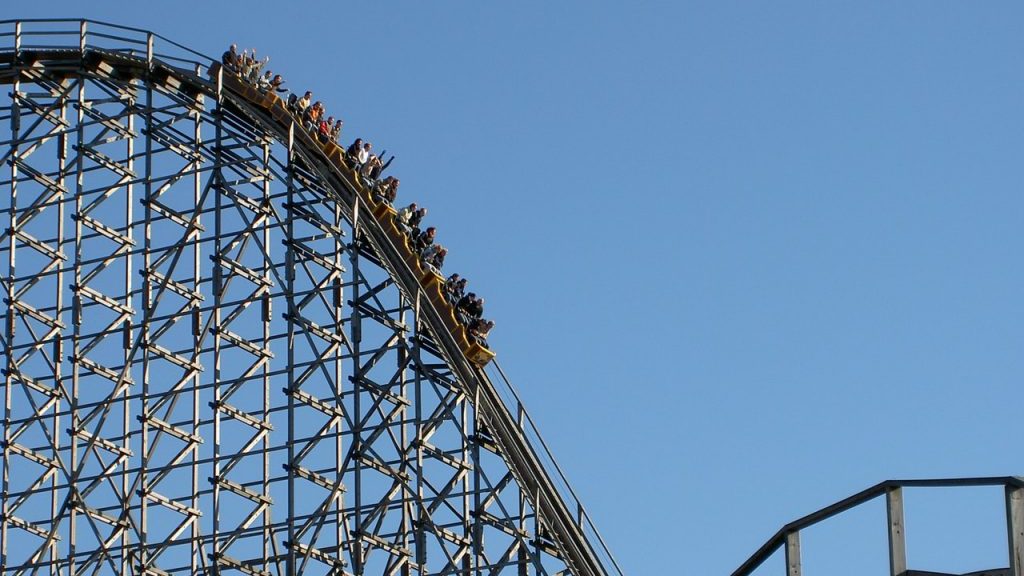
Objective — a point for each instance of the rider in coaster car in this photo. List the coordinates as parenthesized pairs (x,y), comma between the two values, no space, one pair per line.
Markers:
(231,59)
(479,329)
(425,238)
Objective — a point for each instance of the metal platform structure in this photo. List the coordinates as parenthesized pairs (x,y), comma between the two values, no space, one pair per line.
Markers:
(787,538)
(215,359)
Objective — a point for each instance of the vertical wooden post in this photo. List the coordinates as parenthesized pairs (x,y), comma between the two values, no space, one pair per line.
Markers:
(793,554)
(897,536)
(1015,528)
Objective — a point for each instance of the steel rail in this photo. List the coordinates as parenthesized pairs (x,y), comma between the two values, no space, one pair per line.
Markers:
(778,540)
(522,458)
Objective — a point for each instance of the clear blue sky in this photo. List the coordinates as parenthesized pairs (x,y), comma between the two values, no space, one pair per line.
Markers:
(746,258)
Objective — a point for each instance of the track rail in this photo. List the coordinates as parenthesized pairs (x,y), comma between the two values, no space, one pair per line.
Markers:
(111,49)
(522,458)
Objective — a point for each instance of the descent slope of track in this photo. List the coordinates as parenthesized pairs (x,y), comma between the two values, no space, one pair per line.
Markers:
(521,456)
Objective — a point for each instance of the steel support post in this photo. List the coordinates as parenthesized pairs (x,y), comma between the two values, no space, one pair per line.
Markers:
(337,387)
(266,316)
(146,442)
(10,315)
(289,287)
(60,301)
(1015,528)
(897,537)
(419,525)
(194,304)
(217,288)
(793,565)
(73,496)
(358,544)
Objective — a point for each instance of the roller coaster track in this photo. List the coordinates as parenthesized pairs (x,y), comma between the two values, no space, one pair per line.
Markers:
(48,64)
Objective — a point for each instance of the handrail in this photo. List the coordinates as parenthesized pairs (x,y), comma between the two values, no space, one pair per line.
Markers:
(84,32)
(584,516)
(778,540)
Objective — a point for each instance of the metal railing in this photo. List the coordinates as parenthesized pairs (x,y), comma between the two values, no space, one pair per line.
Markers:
(789,535)
(533,437)
(62,34)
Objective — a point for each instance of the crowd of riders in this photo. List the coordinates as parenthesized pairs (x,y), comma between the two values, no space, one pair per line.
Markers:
(312,116)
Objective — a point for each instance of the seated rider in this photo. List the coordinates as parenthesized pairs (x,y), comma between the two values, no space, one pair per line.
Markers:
(311,117)
(463,305)
(303,104)
(392,190)
(433,257)
(428,253)
(370,169)
(438,260)
(352,153)
(460,289)
(476,309)
(245,65)
(317,113)
(252,73)
(414,223)
(336,131)
(376,167)
(479,329)
(425,238)
(363,156)
(277,84)
(324,130)
(230,58)
(450,283)
(403,217)
(263,82)
(386,190)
